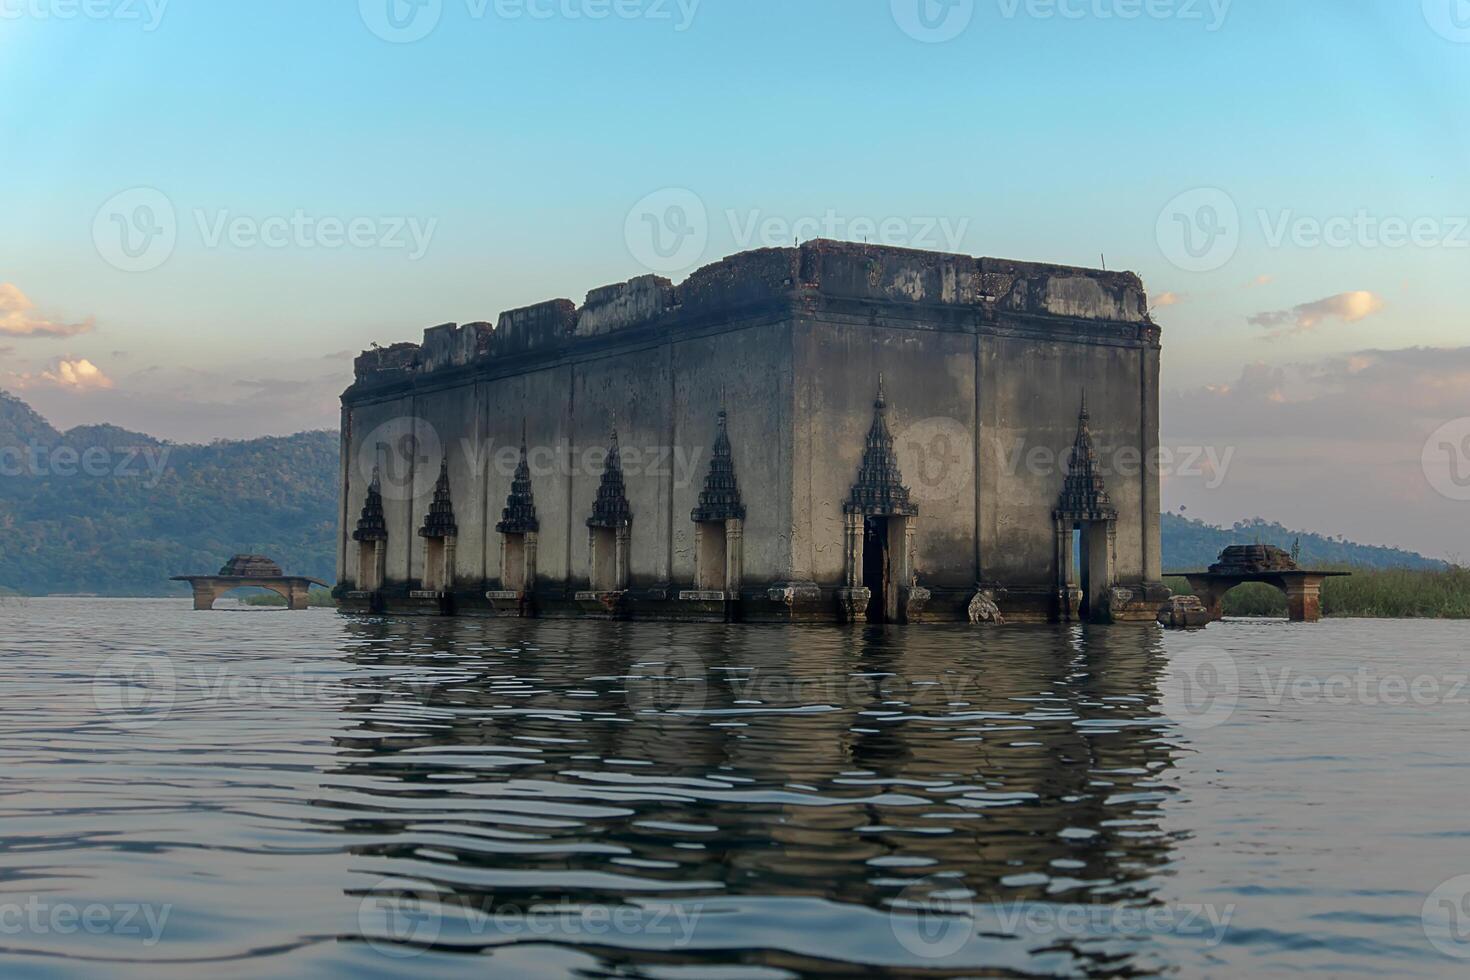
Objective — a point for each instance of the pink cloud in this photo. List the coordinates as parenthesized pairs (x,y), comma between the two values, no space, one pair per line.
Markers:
(19,317)
(1348,307)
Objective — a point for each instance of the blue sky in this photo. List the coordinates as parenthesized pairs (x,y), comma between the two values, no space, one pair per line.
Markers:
(517,135)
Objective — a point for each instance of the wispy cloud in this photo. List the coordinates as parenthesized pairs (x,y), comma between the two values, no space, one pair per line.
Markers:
(1302,432)
(1168,299)
(20,318)
(1348,307)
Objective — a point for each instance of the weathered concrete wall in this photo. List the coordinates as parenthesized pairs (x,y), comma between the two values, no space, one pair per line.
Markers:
(985,363)
(540,400)
(752,368)
(1030,395)
(929,378)
(450,420)
(395,423)
(633,391)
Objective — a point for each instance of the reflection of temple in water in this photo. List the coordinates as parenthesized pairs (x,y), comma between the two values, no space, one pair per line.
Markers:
(519,762)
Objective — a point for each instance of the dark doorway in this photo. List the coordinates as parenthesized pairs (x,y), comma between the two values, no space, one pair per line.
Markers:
(876,567)
(1082,569)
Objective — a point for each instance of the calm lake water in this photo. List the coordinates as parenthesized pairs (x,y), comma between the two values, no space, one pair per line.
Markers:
(254,792)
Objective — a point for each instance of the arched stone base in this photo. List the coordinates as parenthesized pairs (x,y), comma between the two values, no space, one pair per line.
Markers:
(1303,591)
(208,589)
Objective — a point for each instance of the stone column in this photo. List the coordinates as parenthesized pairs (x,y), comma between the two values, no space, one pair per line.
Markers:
(620,573)
(853,550)
(446,578)
(528,560)
(1065,572)
(204,596)
(734,557)
(1153,563)
(853,597)
(1212,597)
(1304,598)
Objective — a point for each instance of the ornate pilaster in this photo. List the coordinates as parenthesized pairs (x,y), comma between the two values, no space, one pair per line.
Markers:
(720,503)
(734,557)
(878,492)
(1084,504)
(441,527)
(372,530)
(610,512)
(519,529)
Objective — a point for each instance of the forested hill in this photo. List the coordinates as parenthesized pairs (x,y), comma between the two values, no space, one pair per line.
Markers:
(1193,545)
(98,509)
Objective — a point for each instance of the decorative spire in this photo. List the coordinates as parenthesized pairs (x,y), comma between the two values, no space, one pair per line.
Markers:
(519,516)
(879,491)
(611,507)
(373,525)
(720,500)
(440,521)
(1084,496)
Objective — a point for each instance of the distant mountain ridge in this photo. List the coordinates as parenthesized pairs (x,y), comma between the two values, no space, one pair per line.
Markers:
(101,510)
(1194,545)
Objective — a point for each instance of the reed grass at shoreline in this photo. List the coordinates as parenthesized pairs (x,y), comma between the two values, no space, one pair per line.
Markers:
(1371,593)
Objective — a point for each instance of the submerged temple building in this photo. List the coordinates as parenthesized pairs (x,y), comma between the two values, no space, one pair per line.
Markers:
(831,432)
